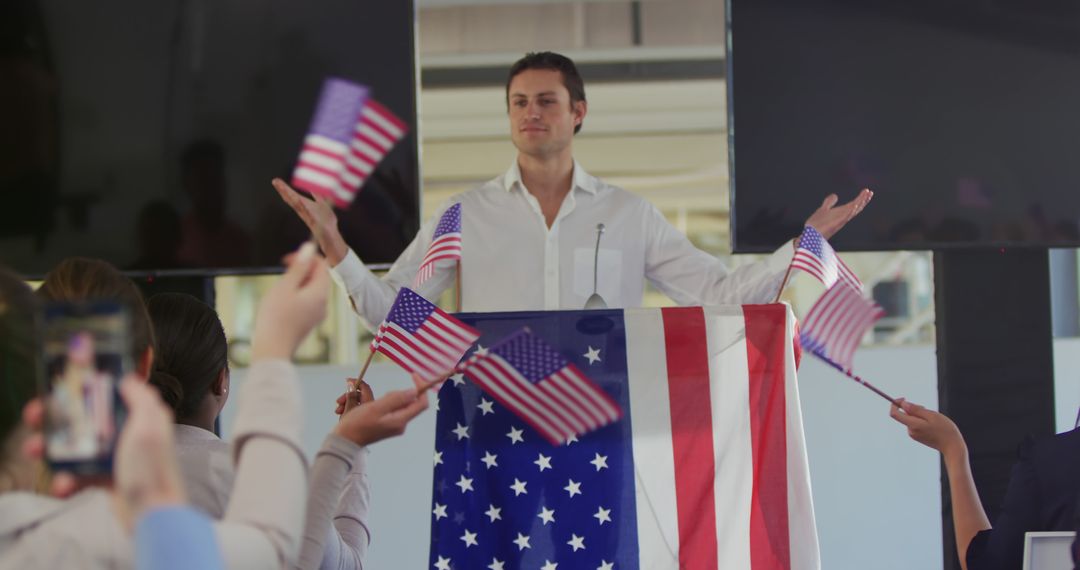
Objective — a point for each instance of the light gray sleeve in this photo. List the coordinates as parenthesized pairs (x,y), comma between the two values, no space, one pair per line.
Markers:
(690,276)
(336,534)
(372,296)
(262,524)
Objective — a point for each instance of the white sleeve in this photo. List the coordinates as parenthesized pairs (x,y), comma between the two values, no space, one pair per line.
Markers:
(338,494)
(373,296)
(263,521)
(692,277)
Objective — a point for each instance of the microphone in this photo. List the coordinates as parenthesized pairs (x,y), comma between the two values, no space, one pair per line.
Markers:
(595,301)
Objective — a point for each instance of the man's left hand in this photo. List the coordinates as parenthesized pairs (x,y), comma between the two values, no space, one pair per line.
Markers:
(829,218)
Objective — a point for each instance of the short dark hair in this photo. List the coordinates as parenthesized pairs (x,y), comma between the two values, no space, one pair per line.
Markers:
(571,79)
(82,278)
(192,350)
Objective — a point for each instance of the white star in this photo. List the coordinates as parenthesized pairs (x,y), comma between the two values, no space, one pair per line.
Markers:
(600,461)
(465,483)
(547,515)
(549,565)
(470,539)
(543,462)
(438,458)
(577,542)
(603,515)
(436,403)
(522,542)
(573,488)
(571,439)
(457,379)
(493,513)
(518,487)
(605,565)
(489,459)
(497,564)
(593,355)
(480,350)
(439,512)
(461,432)
(485,407)
(442,563)
(515,435)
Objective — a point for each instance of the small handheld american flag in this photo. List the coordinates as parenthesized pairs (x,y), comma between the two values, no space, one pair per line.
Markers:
(376,133)
(421,337)
(349,134)
(534,381)
(329,135)
(815,256)
(837,322)
(445,244)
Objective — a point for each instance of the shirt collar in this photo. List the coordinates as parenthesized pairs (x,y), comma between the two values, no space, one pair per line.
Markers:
(581,179)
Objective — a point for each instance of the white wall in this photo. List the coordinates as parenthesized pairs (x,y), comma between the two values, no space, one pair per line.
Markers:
(876,493)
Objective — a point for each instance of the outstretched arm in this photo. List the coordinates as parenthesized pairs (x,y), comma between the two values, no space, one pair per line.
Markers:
(937,431)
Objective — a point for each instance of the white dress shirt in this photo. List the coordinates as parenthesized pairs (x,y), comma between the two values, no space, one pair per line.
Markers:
(511,260)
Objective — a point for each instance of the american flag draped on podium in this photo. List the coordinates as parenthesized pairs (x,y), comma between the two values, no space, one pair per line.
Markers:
(706,470)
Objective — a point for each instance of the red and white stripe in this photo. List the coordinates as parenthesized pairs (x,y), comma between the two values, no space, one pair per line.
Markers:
(377,131)
(563,405)
(838,321)
(824,272)
(433,351)
(446,247)
(722,479)
(319,167)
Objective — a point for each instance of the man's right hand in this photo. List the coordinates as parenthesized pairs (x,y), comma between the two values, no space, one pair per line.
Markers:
(320,218)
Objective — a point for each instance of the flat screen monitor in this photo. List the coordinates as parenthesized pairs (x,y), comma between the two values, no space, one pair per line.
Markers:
(147,133)
(961,116)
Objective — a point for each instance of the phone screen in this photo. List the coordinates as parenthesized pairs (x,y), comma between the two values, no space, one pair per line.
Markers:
(87,348)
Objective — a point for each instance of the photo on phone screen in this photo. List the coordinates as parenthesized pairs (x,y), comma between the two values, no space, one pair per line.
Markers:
(87,350)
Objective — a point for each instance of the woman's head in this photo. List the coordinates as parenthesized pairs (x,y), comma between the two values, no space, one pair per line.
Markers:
(192,359)
(81,278)
(18,357)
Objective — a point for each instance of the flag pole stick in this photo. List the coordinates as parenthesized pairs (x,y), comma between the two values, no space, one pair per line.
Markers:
(363,370)
(457,285)
(787,274)
(848,373)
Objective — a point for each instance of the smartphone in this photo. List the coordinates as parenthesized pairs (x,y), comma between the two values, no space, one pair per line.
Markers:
(86,352)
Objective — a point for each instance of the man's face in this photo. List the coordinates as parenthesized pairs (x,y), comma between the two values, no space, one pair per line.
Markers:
(542,120)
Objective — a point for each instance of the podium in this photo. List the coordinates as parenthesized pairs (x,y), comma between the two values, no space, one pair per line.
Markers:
(706,470)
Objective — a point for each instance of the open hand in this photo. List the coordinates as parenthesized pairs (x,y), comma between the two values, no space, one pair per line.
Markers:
(320,218)
(830,218)
(381,418)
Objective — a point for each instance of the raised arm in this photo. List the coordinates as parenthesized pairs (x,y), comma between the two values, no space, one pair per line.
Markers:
(263,521)
(335,532)
(938,432)
(371,296)
(693,277)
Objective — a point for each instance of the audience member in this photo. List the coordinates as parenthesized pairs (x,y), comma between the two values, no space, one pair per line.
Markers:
(1041,495)
(192,372)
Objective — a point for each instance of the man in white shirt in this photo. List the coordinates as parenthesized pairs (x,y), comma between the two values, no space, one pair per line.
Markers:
(528,236)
